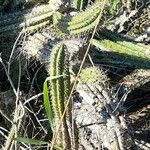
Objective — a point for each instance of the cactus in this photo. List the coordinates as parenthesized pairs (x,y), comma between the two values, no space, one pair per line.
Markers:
(30,19)
(136,79)
(81,22)
(136,52)
(60,84)
(91,75)
(60,90)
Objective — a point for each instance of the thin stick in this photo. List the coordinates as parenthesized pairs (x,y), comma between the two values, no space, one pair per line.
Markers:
(9,78)
(12,52)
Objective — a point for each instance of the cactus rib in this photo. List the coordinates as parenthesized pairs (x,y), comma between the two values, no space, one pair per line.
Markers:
(60,81)
(52,72)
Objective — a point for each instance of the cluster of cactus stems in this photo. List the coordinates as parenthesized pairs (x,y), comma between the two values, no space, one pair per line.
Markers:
(40,16)
(59,62)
